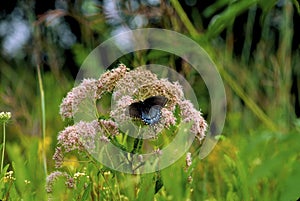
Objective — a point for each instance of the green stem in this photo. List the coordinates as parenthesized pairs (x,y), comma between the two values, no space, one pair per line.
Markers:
(138,143)
(3,147)
(182,15)
(43,118)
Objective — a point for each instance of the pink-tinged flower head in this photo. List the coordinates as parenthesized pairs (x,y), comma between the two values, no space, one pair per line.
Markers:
(190,114)
(109,127)
(108,80)
(79,136)
(140,84)
(58,157)
(70,104)
(188,159)
(52,178)
(168,117)
(133,80)
(104,139)
(119,113)
(90,89)
(162,87)
(82,136)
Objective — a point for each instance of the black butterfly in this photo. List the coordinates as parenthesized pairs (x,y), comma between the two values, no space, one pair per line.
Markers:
(149,110)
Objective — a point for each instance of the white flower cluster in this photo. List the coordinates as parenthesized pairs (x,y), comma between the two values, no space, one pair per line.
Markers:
(5,116)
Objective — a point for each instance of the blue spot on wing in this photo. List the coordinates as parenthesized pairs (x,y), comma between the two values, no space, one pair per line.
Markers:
(149,110)
(152,116)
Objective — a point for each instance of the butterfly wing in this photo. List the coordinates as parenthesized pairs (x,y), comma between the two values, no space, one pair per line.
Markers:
(156,100)
(152,116)
(135,110)
(149,111)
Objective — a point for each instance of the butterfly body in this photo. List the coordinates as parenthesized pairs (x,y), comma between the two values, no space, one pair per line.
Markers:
(149,110)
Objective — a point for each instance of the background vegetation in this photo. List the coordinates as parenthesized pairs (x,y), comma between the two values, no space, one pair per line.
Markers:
(253,43)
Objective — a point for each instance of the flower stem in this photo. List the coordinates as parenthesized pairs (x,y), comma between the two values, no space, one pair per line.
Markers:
(138,143)
(3,147)
(43,118)
(182,15)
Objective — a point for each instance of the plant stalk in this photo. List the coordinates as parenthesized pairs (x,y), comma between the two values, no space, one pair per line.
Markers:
(43,118)
(3,147)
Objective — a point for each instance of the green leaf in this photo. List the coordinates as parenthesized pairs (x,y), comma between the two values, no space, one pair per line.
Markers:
(87,192)
(227,17)
(146,191)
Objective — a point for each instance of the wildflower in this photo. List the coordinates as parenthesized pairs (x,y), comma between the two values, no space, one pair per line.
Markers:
(108,80)
(107,173)
(8,177)
(188,159)
(91,90)
(120,109)
(70,183)
(79,174)
(133,80)
(27,181)
(85,90)
(140,84)
(110,127)
(52,178)
(79,136)
(58,157)
(69,138)
(190,179)
(130,88)
(190,114)
(158,152)
(5,116)
(168,117)
(103,138)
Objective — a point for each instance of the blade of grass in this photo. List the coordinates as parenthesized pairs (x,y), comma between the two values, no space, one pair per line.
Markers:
(182,15)
(3,147)
(43,118)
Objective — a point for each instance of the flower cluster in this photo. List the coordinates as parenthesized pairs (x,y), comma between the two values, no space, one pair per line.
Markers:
(141,84)
(54,176)
(127,87)
(8,177)
(108,80)
(82,136)
(70,181)
(190,114)
(188,159)
(5,116)
(76,96)
(90,88)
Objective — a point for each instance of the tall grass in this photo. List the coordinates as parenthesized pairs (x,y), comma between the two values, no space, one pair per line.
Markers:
(41,88)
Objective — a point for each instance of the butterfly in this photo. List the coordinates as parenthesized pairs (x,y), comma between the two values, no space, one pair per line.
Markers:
(149,110)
